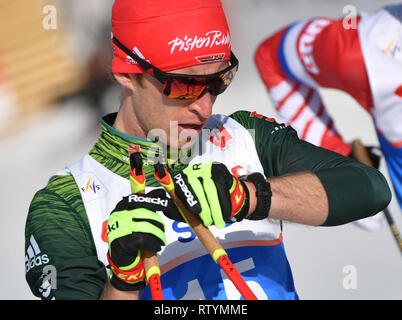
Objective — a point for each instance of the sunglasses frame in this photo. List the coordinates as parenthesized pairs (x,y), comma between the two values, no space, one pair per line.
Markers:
(163,77)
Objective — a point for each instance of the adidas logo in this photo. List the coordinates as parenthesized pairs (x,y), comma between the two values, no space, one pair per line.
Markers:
(33,258)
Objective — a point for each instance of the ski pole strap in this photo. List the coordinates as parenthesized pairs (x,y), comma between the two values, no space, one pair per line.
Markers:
(132,275)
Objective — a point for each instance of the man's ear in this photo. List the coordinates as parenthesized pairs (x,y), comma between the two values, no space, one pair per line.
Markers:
(125,80)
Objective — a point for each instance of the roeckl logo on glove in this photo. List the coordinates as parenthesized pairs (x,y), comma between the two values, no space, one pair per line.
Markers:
(187,193)
(137,198)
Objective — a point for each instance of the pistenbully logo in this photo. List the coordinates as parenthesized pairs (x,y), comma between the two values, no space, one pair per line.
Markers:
(209,39)
(33,258)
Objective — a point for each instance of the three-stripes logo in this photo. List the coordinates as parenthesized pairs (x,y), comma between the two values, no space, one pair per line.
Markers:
(33,257)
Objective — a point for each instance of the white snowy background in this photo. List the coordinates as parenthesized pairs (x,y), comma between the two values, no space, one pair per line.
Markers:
(322,259)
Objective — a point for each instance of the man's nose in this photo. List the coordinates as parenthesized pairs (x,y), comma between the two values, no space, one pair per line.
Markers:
(203,105)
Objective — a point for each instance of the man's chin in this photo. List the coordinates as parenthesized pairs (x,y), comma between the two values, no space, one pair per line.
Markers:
(180,137)
(183,143)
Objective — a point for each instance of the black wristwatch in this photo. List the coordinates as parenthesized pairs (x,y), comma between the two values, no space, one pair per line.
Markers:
(263,193)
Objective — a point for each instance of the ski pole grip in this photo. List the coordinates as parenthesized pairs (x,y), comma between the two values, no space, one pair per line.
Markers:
(207,239)
(360,153)
(149,258)
(205,236)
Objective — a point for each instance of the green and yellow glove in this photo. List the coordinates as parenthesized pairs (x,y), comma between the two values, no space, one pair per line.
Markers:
(134,225)
(213,193)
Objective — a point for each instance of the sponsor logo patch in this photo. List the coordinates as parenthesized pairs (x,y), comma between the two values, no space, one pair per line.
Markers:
(210,58)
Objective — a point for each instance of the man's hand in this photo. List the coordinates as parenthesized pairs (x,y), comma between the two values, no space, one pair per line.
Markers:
(134,225)
(211,192)
(374,153)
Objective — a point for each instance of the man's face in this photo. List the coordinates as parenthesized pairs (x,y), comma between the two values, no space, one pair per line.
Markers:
(178,120)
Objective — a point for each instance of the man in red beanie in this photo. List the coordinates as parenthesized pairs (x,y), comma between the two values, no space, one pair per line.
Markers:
(241,174)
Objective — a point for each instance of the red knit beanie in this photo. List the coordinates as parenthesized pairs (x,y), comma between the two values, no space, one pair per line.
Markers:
(169,34)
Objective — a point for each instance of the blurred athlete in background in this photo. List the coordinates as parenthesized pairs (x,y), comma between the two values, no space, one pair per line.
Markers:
(364,60)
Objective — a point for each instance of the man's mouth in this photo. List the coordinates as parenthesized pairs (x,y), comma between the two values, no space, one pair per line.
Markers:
(191,126)
(188,130)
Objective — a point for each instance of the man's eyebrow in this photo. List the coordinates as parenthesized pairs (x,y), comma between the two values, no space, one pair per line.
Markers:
(224,66)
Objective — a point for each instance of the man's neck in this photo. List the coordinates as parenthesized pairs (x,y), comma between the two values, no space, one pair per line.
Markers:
(127,122)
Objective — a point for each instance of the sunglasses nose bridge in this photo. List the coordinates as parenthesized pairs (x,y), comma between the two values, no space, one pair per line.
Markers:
(207,89)
(211,88)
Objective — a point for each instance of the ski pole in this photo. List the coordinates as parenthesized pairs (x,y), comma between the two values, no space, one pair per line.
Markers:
(149,258)
(205,236)
(360,154)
